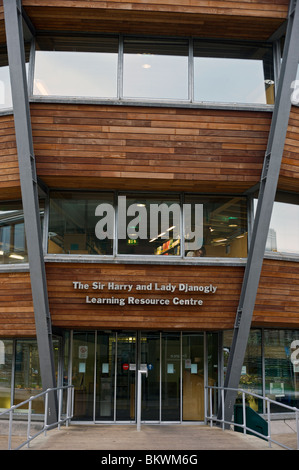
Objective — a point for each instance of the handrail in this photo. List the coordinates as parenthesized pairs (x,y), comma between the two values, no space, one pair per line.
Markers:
(223,422)
(61,419)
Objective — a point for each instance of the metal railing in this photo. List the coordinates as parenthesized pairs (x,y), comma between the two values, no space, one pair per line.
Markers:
(62,418)
(268,401)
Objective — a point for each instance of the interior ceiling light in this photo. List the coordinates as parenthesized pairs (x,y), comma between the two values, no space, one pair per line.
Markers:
(16,256)
(146,66)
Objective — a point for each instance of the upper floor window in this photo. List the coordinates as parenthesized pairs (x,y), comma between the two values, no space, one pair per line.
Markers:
(155,69)
(5,89)
(233,72)
(12,234)
(147,224)
(13,247)
(284,226)
(144,68)
(83,68)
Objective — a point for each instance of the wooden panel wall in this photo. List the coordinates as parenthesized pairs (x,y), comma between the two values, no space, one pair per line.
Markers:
(148,148)
(257,19)
(9,167)
(277,303)
(266,8)
(69,308)
(16,307)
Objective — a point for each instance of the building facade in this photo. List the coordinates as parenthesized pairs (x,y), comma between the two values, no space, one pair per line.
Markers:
(149,198)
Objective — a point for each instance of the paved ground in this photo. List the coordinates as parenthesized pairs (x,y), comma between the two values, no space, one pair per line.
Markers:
(127,438)
(118,438)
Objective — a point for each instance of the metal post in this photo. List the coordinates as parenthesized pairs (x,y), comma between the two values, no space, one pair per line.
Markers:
(268,186)
(29,189)
(140,372)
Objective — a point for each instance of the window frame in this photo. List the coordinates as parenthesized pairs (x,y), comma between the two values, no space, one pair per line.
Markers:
(121,100)
(154,258)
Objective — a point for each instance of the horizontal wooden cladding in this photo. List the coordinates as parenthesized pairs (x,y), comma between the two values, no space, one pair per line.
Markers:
(164,148)
(289,172)
(277,303)
(16,307)
(257,20)
(267,8)
(70,310)
(9,167)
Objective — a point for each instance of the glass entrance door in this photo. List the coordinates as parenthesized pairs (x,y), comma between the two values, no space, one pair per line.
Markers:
(104,373)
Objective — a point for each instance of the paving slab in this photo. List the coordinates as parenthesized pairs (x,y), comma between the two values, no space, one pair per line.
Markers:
(158,438)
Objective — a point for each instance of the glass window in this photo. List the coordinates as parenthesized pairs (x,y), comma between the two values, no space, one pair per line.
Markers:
(251,374)
(155,68)
(27,374)
(73,223)
(224,227)
(12,234)
(233,72)
(5,89)
(282,367)
(86,67)
(6,355)
(284,228)
(152,225)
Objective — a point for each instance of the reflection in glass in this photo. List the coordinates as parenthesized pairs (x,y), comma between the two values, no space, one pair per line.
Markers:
(155,69)
(224,227)
(72,224)
(5,89)
(125,388)
(5,86)
(106,349)
(6,357)
(12,234)
(281,367)
(284,228)
(150,356)
(83,374)
(251,376)
(239,72)
(171,376)
(27,374)
(64,67)
(152,226)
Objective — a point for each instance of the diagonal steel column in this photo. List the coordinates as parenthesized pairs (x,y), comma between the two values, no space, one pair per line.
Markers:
(29,188)
(268,187)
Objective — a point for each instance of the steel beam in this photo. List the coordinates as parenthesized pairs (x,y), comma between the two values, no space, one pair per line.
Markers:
(266,198)
(29,189)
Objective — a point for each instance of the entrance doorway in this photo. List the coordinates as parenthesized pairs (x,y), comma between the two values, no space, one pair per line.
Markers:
(178,364)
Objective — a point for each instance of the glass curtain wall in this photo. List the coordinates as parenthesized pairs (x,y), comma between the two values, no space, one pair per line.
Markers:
(147,224)
(282,367)
(73,220)
(149,68)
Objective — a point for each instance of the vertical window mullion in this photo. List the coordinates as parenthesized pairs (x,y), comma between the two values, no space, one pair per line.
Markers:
(191,72)
(120,67)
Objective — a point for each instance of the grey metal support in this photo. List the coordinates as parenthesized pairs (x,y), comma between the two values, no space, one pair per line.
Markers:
(268,187)
(29,189)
